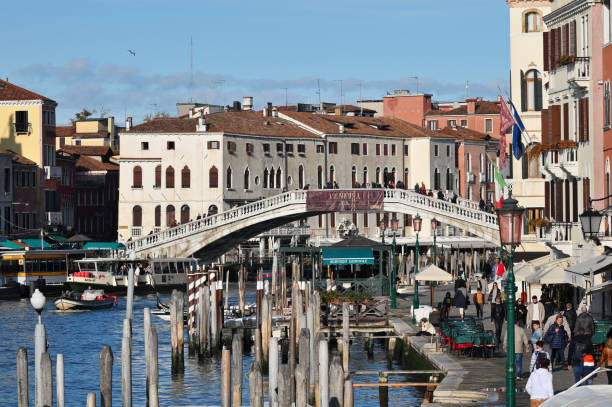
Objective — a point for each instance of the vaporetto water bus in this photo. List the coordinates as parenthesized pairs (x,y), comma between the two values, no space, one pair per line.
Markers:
(111,274)
(42,269)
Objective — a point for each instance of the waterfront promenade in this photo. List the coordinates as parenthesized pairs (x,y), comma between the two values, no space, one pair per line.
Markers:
(469,374)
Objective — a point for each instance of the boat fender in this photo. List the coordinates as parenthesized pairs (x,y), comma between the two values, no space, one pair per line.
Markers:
(116,302)
(99,297)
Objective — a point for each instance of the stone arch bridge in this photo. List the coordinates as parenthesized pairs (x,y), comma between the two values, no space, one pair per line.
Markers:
(210,237)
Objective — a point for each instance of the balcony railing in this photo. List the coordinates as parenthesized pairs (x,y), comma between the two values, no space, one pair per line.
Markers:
(53,172)
(22,127)
(580,69)
(54,218)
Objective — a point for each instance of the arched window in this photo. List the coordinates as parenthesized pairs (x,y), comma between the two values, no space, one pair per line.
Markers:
(480,162)
(354,177)
(365,175)
(170,177)
(228,178)
(137,216)
(185,177)
(378,175)
(185,214)
(319,177)
(158,170)
(247,176)
(449,179)
(212,210)
(158,216)
(607,103)
(265,178)
(393,175)
(170,215)
(272,178)
(531,90)
(532,22)
(279,175)
(213,177)
(137,177)
(385,177)
(406,178)
(331,174)
(301,177)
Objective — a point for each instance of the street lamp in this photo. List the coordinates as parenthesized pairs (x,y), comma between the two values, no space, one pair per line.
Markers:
(591,221)
(394,223)
(416,225)
(38,303)
(510,221)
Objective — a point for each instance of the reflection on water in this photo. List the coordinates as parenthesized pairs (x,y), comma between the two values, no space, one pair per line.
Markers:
(80,336)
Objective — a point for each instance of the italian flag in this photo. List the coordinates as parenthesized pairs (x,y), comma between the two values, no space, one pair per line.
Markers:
(500,184)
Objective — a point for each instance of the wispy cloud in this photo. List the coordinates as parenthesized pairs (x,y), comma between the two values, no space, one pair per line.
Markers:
(80,83)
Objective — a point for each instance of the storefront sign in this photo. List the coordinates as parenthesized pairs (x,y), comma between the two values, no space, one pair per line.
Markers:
(365,200)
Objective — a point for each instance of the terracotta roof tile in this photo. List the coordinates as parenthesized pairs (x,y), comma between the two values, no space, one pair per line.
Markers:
(244,122)
(99,134)
(18,158)
(467,134)
(64,131)
(91,164)
(89,150)
(482,107)
(9,91)
(349,108)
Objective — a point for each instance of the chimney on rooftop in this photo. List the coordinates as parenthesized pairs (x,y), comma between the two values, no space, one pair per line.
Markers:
(236,106)
(471,106)
(247,102)
(202,125)
(274,111)
(267,111)
(128,123)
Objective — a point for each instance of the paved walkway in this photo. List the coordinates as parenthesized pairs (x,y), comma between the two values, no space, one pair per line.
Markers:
(486,373)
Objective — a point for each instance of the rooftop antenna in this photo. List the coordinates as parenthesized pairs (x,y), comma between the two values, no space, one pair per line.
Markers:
(319,92)
(286,98)
(341,93)
(360,98)
(467,89)
(190,68)
(417,82)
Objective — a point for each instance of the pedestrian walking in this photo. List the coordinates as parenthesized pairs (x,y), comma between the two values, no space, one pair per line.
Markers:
(498,316)
(461,299)
(557,337)
(447,303)
(570,315)
(549,307)
(537,356)
(535,311)
(493,294)
(540,386)
(585,321)
(521,345)
(606,359)
(575,357)
(479,302)
(520,312)
(536,336)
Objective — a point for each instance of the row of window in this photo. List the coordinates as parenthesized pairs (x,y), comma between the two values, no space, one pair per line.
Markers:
(171,220)
(433,124)
(90,198)
(385,218)
(185,177)
(26,220)
(23,179)
(91,225)
(357,149)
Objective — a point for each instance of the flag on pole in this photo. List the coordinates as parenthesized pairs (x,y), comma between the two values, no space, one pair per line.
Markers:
(505,123)
(517,130)
(500,184)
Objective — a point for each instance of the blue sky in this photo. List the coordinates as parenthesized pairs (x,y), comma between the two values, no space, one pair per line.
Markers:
(77,52)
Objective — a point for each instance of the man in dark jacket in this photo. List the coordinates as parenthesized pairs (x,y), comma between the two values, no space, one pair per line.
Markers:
(549,307)
(498,315)
(585,321)
(574,352)
(558,340)
(570,316)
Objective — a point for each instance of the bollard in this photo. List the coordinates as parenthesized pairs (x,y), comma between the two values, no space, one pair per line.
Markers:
(255,386)
(91,399)
(153,369)
(22,377)
(284,387)
(336,383)
(225,378)
(46,380)
(126,364)
(59,380)
(323,374)
(106,377)
(237,369)
(273,372)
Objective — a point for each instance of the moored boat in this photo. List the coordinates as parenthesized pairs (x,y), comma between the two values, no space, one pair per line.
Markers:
(87,300)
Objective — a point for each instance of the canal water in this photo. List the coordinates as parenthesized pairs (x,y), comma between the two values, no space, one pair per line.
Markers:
(80,337)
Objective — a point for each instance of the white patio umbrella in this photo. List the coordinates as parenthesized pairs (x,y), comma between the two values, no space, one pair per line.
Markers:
(593,396)
(432,272)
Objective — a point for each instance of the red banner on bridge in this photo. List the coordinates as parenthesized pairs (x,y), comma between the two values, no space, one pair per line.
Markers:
(364,200)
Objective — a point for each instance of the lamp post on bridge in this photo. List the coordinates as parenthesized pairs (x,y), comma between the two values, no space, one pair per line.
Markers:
(416,225)
(510,221)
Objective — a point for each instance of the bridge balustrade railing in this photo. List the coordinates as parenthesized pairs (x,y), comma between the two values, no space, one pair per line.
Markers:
(209,222)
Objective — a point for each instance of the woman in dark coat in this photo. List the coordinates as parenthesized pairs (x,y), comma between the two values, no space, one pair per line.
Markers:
(498,316)
(557,337)
(461,300)
(520,312)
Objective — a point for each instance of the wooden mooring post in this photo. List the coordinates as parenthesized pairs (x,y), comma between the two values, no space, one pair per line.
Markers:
(226,378)
(22,377)
(266,329)
(336,383)
(346,342)
(301,385)
(147,335)
(323,373)
(46,378)
(273,372)
(241,289)
(284,387)
(237,369)
(214,327)
(59,381)
(255,386)
(126,364)
(204,315)
(106,377)
(91,399)
(153,368)
(349,395)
